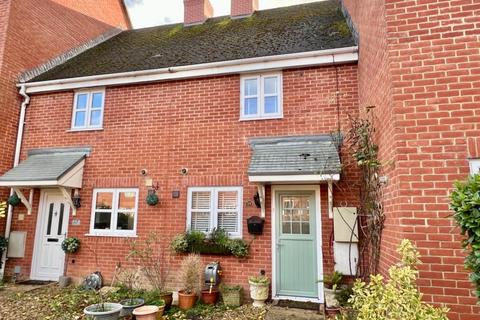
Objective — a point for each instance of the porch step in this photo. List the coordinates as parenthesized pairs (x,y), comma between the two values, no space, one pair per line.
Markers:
(279,313)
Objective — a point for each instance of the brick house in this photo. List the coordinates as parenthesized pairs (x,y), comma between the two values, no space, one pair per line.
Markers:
(216,110)
(81,24)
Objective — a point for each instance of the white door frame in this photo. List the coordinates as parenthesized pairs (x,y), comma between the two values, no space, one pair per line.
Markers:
(38,231)
(318,223)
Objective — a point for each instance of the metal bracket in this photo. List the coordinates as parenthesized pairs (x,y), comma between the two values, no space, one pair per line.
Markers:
(67,194)
(261,193)
(26,203)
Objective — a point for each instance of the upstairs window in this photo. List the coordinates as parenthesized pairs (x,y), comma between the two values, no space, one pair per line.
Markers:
(475,166)
(88,110)
(219,208)
(261,96)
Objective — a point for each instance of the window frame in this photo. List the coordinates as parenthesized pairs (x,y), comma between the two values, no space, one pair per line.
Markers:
(260,77)
(88,110)
(474,166)
(214,210)
(115,210)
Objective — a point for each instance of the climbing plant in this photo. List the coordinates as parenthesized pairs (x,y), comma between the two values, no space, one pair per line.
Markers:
(364,151)
(465,202)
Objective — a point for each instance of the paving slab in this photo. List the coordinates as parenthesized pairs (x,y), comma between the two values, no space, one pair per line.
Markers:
(279,313)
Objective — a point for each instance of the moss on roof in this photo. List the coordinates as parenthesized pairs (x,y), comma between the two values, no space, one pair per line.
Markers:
(301,28)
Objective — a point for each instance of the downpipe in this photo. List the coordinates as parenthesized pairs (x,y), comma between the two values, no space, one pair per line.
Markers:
(18,147)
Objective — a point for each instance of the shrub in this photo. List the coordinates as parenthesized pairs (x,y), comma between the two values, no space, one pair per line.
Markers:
(190,273)
(396,298)
(465,201)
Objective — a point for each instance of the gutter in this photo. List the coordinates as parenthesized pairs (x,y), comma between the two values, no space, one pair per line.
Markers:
(294,60)
(18,147)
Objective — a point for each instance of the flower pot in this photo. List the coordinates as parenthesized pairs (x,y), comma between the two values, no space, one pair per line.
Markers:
(129,305)
(168,298)
(103,311)
(209,297)
(332,311)
(330,299)
(148,313)
(186,300)
(259,293)
(232,298)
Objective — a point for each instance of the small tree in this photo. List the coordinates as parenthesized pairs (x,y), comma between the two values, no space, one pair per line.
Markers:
(465,201)
(396,298)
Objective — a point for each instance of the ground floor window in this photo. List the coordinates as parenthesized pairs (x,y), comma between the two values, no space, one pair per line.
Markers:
(474,166)
(215,207)
(114,212)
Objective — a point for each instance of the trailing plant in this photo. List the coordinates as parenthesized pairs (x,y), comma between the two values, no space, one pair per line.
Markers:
(465,201)
(70,245)
(190,273)
(371,216)
(332,280)
(395,298)
(152,259)
(14,200)
(218,242)
(259,280)
(152,199)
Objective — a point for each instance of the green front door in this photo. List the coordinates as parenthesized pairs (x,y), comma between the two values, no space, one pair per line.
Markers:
(296,270)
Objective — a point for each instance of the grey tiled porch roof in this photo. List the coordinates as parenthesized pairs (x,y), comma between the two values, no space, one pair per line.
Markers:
(297,155)
(45,165)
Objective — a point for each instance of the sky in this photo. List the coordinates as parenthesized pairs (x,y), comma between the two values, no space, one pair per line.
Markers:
(147,13)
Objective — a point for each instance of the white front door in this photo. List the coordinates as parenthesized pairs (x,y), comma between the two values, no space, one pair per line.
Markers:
(48,257)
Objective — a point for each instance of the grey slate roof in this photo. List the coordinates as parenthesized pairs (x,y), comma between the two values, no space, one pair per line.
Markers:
(45,166)
(302,28)
(297,155)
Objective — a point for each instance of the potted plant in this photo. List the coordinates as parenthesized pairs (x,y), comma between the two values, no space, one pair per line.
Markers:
(128,280)
(331,282)
(231,295)
(103,310)
(259,289)
(190,275)
(148,312)
(210,295)
(152,259)
(3,247)
(69,245)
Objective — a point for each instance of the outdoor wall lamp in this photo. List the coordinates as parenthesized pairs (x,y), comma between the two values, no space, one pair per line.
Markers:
(76,199)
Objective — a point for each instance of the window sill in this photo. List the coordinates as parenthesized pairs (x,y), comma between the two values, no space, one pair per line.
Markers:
(111,235)
(262,118)
(86,129)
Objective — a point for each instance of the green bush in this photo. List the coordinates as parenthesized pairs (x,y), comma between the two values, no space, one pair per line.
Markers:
(465,201)
(396,298)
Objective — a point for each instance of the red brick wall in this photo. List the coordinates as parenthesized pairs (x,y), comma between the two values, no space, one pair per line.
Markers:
(433,61)
(194,124)
(32,32)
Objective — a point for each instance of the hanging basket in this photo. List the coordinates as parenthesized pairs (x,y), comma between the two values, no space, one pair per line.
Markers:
(152,199)
(14,200)
(71,245)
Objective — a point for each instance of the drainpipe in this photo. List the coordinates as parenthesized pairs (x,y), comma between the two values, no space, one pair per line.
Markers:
(18,147)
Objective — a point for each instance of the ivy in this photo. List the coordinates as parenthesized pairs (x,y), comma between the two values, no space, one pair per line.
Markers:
(465,201)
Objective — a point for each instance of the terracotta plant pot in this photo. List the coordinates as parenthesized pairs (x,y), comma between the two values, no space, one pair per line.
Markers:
(209,297)
(332,312)
(186,300)
(148,313)
(168,298)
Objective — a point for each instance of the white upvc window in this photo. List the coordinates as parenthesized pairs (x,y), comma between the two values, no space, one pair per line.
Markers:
(261,96)
(114,212)
(215,207)
(88,109)
(475,166)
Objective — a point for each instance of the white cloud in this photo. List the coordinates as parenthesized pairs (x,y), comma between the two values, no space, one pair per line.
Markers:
(147,13)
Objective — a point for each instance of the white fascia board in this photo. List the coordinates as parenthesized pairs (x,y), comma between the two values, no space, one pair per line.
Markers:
(294,60)
(313,178)
(38,183)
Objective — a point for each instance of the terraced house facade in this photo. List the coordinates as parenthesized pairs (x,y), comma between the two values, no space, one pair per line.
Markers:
(219,115)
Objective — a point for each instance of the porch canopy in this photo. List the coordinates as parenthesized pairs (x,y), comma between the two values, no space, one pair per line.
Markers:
(296,159)
(47,168)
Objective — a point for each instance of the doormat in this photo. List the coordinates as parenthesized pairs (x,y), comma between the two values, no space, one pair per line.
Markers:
(298,305)
(34,282)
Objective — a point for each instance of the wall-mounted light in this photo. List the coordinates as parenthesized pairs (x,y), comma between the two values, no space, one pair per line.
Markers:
(76,199)
(256,199)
